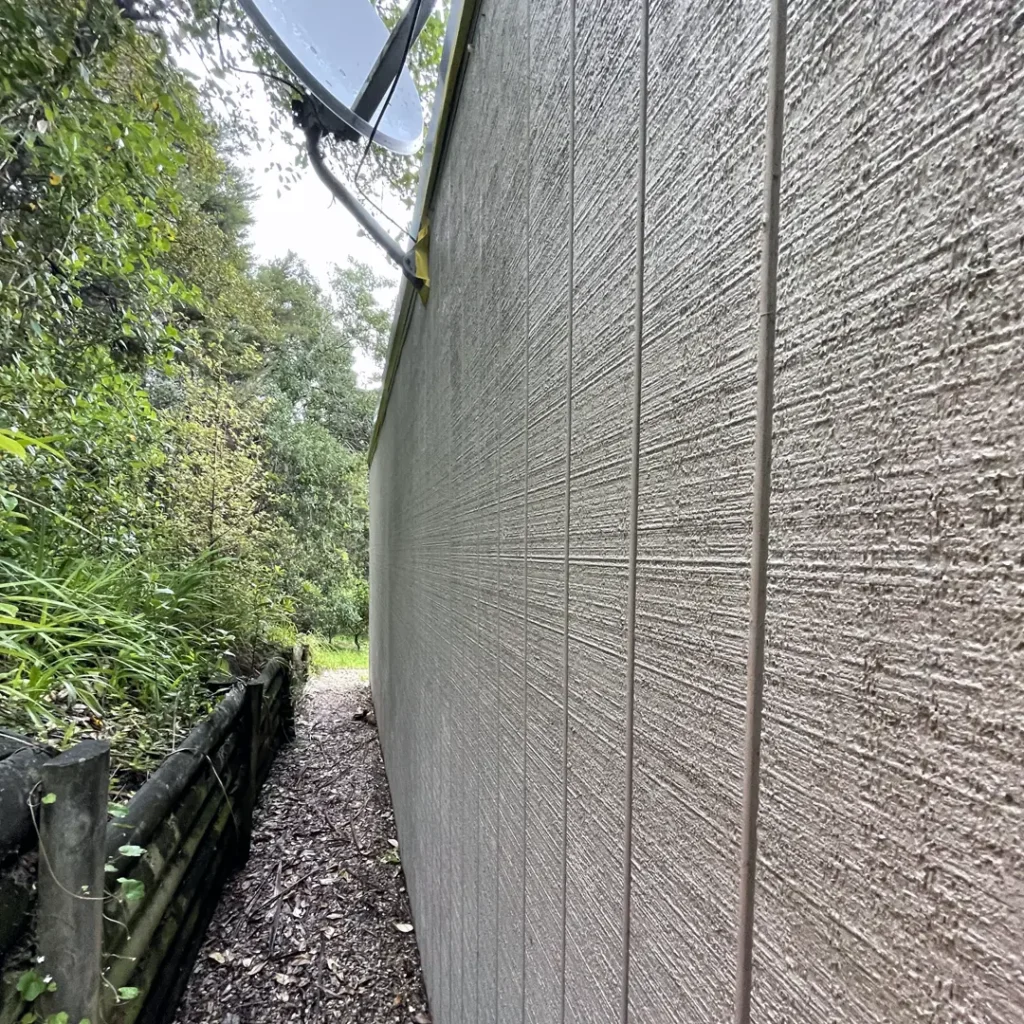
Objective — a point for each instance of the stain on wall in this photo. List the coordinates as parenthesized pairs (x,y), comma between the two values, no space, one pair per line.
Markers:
(890,877)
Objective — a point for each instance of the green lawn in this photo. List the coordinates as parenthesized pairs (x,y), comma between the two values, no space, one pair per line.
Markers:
(339,654)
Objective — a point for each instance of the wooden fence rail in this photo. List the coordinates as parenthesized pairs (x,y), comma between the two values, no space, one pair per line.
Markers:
(118,908)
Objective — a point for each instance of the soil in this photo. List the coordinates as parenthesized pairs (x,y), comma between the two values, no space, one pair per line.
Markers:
(316,927)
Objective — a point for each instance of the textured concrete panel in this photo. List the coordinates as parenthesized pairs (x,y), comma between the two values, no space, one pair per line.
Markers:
(548,298)
(477,570)
(434,617)
(488,696)
(438,553)
(460,718)
(511,37)
(484,277)
(706,118)
(606,131)
(891,875)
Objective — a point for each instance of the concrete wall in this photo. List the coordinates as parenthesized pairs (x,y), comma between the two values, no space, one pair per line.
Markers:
(553,703)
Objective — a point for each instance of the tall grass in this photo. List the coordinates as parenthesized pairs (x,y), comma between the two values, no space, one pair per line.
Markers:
(118,649)
(337,653)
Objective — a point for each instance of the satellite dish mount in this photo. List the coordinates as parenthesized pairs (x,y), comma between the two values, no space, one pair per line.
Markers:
(358,86)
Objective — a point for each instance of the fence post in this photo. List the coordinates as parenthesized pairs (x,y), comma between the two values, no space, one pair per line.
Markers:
(293,675)
(253,713)
(72,835)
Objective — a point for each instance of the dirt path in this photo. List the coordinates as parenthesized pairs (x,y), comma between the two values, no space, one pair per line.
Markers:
(316,927)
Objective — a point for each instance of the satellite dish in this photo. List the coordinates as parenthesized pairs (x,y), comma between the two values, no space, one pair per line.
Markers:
(335,48)
(342,52)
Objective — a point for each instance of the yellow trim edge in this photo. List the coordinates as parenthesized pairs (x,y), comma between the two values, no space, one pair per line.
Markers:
(460,29)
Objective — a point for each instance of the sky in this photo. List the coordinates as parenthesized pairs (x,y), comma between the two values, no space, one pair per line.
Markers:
(304,218)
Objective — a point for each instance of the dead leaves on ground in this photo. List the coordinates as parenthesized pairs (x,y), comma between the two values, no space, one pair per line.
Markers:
(318,920)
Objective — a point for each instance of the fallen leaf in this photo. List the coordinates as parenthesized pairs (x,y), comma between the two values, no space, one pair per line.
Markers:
(218,957)
(421,1018)
(403,926)
(393,842)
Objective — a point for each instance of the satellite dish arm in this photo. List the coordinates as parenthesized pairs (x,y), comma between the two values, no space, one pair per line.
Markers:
(405,261)
(389,63)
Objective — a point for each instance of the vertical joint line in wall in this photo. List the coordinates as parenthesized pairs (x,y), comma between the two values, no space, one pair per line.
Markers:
(568,500)
(526,512)
(762,494)
(448,874)
(634,509)
(497,719)
(480,693)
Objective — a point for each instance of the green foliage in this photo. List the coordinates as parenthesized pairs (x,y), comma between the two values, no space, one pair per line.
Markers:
(132,890)
(337,653)
(182,437)
(31,985)
(88,199)
(122,640)
(360,316)
(50,1018)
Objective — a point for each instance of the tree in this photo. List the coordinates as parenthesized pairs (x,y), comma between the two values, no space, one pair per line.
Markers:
(360,316)
(182,436)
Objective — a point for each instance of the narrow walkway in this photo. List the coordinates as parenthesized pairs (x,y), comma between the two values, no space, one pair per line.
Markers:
(316,927)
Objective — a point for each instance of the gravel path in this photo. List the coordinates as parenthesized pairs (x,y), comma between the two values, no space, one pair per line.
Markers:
(317,926)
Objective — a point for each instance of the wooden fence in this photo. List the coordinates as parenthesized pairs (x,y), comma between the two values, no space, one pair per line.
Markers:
(117,906)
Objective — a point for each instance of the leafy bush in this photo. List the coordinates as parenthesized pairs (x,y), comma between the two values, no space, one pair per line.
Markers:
(114,648)
(183,441)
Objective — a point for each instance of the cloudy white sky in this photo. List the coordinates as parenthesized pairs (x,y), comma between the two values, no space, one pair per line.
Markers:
(304,218)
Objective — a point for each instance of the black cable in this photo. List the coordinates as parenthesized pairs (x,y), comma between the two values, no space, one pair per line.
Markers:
(391,220)
(368,198)
(391,91)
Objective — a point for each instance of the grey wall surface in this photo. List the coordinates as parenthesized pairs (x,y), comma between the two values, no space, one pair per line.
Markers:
(555,703)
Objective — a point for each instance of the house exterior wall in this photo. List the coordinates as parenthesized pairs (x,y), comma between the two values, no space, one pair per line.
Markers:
(550,697)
